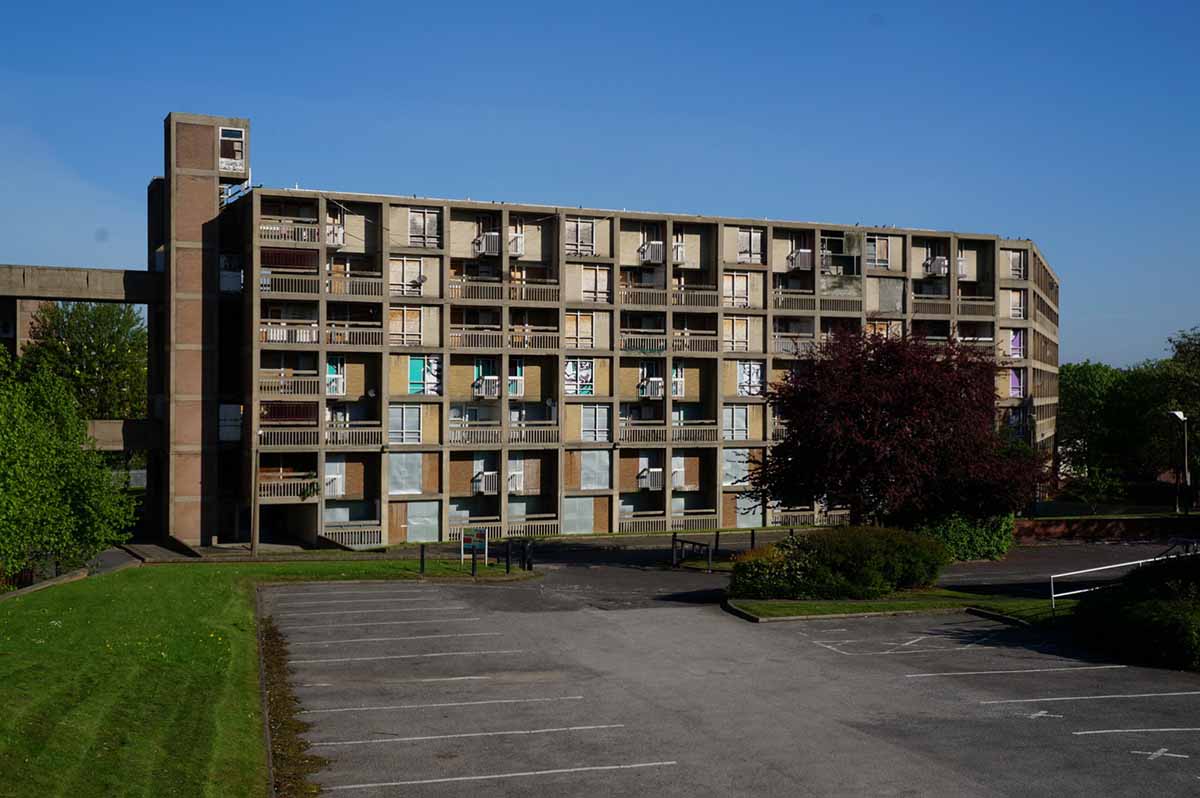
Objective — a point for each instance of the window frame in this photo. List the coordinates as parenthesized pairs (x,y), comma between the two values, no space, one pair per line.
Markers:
(591,433)
(575,383)
(404,434)
(574,244)
(425,238)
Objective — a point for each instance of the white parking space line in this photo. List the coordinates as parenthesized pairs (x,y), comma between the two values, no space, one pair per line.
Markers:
(406,681)
(378,623)
(1137,731)
(1015,670)
(491,776)
(368,612)
(445,704)
(1090,697)
(317,593)
(559,730)
(389,639)
(409,656)
(352,601)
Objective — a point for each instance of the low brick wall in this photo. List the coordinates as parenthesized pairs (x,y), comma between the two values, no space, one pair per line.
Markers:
(1033,530)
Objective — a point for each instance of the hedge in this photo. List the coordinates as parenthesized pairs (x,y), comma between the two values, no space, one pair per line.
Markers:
(973,539)
(841,563)
(1151,616)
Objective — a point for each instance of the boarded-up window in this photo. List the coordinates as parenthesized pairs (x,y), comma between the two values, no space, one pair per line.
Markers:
(578,517)
(595,469)
(424,522)
(404,472)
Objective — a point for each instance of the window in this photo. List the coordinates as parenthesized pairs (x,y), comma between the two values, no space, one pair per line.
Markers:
(1016,383)
(578,377)
(677,381)
(404,326)
(580,236)
(578,515)
(424,375)
(580,330)
(405,276)
(736,289)
(516,376)
(595,283)
(335,476)
(877,252)
(735,466)
(594,422)
(423,224)
(424,522)
(749,511)
(233,149)
(749,378)
(335,375)
(595,469)
(737,333)
(404,472)
(1016,343)
(749,240)
(735,424)
(1016,264)
(404,423)
(1017,304)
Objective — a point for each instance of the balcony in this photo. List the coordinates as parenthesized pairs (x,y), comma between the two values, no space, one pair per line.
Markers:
(651,388)
(533,338)
(784,299)
(631,295)
(356,286)
(642,523)
(289,436)
(643,432)
(695,522)
(694,432)
(641,341)
(792,344)
(355,535)
(487,244)
(535,291)
(289,332)
(354,333)
(800,260)
(355,435)
(931,306)
(698,342)
(533,432)
(475,433)
(651,252)
(976,307)
(706,297)
(486,483)
(288,283)
(285,489)
(303,383)
(476,337)
(492,290)
(487,387)
(289,230)
(650,479)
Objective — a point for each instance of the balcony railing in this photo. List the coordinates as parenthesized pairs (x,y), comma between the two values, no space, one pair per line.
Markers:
(838,304)
(476,289)
(486,387)
(343,285)
(939,307)
(778,432)
(643,524)
(694,432)
(695,342)
(335,235)
(976,307)
(472,337)
(679,252)
(487,244)
(275,436)
(290,230)
(643,432)
(516,387)
(792,344)
(1016,312)
(486,483)
(516,245)
(532,339)
(650,479)
(731,345)
(352,435)
(535,291)
(533,528)
(296,384)
(651,388)
(355,535)
(785,299)
(289,332)
(800,260)
(736,300)
(793,518)
(475,433)
(335,486)
(516,483)
(695,523)
(651,252)
(643,296)
(534,432)
(301,487)
(707,297)
(276,283)
(493,530)
(352,334)
(635,341)
(335,384)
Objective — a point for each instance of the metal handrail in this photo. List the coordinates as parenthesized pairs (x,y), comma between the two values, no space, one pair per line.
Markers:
(1191,548)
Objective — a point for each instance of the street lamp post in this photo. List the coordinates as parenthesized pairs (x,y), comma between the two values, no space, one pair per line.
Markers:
(1187,472)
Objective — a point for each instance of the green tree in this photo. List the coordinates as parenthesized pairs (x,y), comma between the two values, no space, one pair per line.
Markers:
(1084,429)
(99,348)
(58,499)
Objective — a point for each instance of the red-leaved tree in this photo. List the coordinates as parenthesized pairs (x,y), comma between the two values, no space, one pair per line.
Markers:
(898,430)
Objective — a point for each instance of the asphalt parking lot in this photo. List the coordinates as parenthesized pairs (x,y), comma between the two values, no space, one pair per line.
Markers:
(605,681)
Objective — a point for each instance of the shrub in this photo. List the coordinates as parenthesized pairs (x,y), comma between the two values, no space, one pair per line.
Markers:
(849,562)
(1152,616)
(973,539)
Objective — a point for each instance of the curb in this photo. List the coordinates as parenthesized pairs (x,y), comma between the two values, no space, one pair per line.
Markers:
(992,615)
(70,576)
(733,610)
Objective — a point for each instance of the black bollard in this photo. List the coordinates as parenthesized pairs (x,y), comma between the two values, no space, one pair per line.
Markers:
(751,538)
(422,558)
(674,549)
(474,559)
(717,542)
(508,556)
(710,551)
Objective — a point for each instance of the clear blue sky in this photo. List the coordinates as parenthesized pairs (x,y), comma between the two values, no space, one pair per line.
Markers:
(1074,124)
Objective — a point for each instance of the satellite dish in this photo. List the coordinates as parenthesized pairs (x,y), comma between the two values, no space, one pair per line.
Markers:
(421,279)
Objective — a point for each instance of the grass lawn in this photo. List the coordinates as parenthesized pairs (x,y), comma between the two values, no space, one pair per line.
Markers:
(145,681)
(1026,609)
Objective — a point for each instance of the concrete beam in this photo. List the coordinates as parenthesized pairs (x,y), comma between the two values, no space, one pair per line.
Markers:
(68,284)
